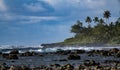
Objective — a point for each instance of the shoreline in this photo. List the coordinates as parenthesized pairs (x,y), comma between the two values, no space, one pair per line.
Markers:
(78,45)
(65,59)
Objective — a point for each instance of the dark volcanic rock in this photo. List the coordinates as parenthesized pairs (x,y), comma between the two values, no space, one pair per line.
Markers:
(29,54)
(73,57)
(5,55)
(118,54)
(63,52)
(90,63)
(67,67)
(80,51)
(105,53)
(12,56)
(114,50)
(14,52)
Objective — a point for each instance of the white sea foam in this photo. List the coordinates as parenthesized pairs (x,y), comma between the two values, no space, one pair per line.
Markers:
(40,48)
(75,48)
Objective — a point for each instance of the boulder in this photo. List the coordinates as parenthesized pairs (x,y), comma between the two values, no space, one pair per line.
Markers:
(118,54)
(80,67)
(12,56)
(14,51)
(90,63)
(105,53)
(114,50)
(68,67)
(28,53)
(5,55)
(80,51)
(74,57)
(25,68)
(3,67)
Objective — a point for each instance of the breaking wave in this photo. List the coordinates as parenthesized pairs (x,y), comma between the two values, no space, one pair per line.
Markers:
(39,48)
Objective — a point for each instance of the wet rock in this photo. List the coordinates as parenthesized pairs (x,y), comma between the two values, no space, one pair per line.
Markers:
(0,53)
(114,50)
(105,53)
(42,67)
(114,68)
(14,52)
(25,68)
(12,56)
(80,51)
(5,55)
(81,67)
(68,67)
(3,67)
(63,52)
(74,57)
(118,54)
(14,68)
(48,68)
(29,54)
(90,63)
(63,60)
(118,64)
(98,68)
(107,68)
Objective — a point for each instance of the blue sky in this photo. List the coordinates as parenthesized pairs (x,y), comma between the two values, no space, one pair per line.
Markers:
(32,22)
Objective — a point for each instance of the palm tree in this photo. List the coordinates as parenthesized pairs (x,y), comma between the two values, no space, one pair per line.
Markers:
(101,21)
(96,19)
(106,15)
(77,28)
(88,20)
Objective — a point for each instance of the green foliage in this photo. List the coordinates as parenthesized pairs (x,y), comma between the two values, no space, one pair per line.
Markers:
(101,33)
(76,28)
(88,20)
(106,15)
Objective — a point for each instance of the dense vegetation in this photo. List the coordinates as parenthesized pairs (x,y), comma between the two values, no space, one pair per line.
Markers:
(104,32)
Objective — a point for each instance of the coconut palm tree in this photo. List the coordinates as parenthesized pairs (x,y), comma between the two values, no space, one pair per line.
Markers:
(106,15)
(101,21)
(88,20)
(96,19)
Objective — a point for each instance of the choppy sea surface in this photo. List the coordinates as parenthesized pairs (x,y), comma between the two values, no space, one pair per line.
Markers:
(39,48)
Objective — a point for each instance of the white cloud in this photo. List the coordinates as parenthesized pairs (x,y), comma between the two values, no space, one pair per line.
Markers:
(36,19)
(93,4)
(34,7)
(75,3)
(2,6)
(6,17)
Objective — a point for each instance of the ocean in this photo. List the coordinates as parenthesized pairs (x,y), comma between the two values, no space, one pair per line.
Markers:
(39,48)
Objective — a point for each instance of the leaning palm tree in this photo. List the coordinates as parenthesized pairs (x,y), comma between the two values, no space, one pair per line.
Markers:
(88,20)
(106,15)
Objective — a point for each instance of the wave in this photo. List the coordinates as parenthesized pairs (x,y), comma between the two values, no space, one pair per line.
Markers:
(38,48)
(76,48)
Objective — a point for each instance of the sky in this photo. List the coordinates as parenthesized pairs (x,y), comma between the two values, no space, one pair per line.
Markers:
(33,22)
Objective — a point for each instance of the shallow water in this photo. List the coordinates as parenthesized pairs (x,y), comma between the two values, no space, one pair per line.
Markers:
(49,58)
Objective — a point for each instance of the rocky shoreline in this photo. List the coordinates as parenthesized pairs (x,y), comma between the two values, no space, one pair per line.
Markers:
(61,60)
(78,45)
